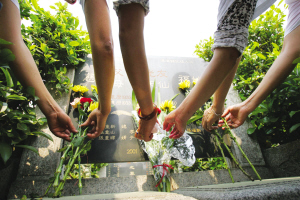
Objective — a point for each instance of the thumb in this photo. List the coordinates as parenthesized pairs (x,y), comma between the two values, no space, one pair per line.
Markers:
(86,123)
(71,127)
(226,112)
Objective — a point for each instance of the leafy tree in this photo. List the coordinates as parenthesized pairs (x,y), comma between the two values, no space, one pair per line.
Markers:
(55,42)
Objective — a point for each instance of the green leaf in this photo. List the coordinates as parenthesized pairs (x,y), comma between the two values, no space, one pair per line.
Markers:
(30,90)
(78,141)
(9,80)
(193,118)
(16,97)
(2,41)
(22,127)
(28,147)
(250,131)
(35,4)
(44,48)
(296,61)
(76,22)
(261,56)
(5,151)
(62,149)
(294,127)
(134,101)
(62,45)
(46,135)
(73,44)
(3,106)
(42,121)
(153,91)
(293,112)
(32,47)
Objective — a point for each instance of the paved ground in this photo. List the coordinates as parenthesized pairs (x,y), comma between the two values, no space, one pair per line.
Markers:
(282,188)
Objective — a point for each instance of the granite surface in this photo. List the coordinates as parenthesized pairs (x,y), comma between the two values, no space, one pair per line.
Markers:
(276,189)
(284,160)
(135,183)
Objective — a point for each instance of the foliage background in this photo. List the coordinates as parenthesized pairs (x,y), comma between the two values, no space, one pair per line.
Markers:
(55,41)
(57,44)
(276,120)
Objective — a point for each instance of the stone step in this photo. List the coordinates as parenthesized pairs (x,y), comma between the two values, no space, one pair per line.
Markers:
(280,188)
(275,189)
(145,195)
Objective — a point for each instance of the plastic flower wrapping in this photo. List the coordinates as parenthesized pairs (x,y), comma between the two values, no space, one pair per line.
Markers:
(161,149)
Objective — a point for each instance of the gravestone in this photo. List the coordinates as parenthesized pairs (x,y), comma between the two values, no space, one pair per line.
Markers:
(117,142)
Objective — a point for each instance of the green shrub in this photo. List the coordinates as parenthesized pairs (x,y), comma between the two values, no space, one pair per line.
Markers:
(276,120)
(55,42)
(18,120)
(201,164)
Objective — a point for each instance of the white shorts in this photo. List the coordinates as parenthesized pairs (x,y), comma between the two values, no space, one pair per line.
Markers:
(293,20)
(16,3)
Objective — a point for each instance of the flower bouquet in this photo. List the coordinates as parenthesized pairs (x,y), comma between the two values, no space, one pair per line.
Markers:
(78,145)
(161,148)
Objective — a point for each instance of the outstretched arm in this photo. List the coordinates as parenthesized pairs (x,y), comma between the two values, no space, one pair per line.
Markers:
(99,28)
(213,114)
(27,73)
(131,24)
(281,68)
(219,68)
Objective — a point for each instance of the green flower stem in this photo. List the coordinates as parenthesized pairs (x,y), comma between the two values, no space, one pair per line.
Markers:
(59,168)
(48,189)
(164,184)
(68,168)
(244,155)
(168,185)
(231,155)
(227,166)
(79,176)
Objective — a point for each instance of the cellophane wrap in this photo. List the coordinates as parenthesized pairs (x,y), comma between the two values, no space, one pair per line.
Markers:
(161,149)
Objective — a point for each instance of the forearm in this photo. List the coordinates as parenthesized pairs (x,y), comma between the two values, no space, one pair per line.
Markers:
(221,92)
(28,74)
(104,74)
(131,22)
(221,65)
(278,72)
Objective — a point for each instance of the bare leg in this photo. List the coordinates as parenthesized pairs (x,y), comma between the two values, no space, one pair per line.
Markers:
(281,68)
(27,73)
(131,22)
(99,28)
(221,65)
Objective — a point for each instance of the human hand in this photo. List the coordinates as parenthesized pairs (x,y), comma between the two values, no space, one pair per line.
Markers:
(60,125)
(71,1)
(209,118)
(234,115)
(146,129)
(179,126)
(97,120)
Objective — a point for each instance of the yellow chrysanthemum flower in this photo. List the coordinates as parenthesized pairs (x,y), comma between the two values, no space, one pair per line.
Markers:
(195,81)
(76,88)
(167,106)
(80,88)
(185,84)
(94,87)
(93,106)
